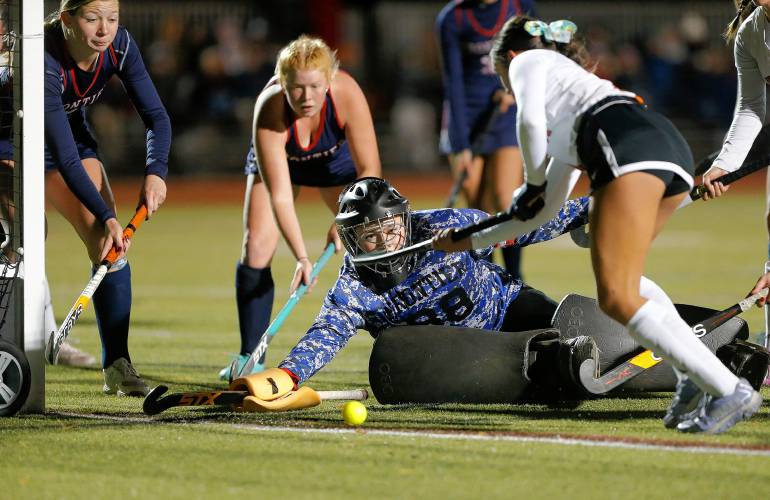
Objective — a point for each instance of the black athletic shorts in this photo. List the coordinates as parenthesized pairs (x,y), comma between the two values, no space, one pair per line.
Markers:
(530,310)
(618,135)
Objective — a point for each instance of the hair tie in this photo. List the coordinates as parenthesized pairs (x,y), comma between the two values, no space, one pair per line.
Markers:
(538,28)
(560,31)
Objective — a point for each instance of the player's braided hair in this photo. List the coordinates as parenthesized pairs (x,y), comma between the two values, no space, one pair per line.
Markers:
(743,9)
(513,36)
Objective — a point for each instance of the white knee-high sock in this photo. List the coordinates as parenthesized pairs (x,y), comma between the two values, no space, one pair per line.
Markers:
(650,290)
(665,333)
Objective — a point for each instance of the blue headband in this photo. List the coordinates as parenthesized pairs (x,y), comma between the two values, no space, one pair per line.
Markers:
(558,31)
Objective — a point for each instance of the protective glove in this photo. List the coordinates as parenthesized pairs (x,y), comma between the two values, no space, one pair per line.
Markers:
(268,385)
(528,200)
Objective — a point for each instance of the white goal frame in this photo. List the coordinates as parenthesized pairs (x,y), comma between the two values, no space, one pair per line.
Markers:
(29,121)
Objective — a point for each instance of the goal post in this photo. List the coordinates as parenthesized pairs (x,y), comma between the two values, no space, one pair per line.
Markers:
(29,156)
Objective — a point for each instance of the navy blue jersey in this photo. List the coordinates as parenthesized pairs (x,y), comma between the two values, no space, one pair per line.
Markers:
(6,109)
(465,31)
(69,90)
(326,161)
(457,289)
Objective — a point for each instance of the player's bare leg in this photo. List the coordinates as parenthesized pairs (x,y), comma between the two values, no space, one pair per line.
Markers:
(503,173)
(260,232)
(625,219)
(7,208)
(254,286)
(472,183)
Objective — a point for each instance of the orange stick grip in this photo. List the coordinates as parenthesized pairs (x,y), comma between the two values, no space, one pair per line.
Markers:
(128,232)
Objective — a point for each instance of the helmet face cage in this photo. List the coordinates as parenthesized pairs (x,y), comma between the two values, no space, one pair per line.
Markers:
(385,234)
(374,217)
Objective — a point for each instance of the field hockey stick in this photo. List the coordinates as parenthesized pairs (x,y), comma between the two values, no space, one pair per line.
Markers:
(373,257)
(747,168)
(646,359)
(280,318)
(478,139)
(581,237)
(56,338)
(456,188)
(154,403)
(457,234)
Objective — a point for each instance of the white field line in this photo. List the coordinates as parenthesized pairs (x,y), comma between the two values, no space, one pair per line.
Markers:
(604,442)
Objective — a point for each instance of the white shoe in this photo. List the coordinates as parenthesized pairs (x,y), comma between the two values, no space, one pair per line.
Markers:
(122,379)
(720,414)
(72,356)
(686,404)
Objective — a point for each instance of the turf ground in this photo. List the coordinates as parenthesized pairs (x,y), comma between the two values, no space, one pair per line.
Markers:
(184,328)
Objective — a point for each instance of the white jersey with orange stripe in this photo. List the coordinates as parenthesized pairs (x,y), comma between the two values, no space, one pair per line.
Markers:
(552,92)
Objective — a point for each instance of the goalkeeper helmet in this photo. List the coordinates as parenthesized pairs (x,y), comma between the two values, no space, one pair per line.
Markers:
(374,217)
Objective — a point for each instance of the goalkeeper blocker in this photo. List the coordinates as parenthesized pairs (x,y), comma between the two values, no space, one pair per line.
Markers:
(268,391)
(305,397)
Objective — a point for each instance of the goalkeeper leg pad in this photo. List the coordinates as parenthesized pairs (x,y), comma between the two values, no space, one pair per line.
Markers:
(440,364)
(577,316)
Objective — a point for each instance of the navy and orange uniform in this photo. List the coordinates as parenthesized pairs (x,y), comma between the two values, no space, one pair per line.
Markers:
(6,109)
(69,90)
(465,29)
(325,162)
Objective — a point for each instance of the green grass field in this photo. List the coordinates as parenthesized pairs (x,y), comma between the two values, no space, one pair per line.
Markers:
(184,327)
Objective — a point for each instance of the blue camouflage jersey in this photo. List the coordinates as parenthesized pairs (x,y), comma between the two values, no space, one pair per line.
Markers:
(69,90)
(455,289)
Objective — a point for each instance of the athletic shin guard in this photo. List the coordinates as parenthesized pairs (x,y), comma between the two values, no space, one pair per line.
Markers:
(254,291)
(112,304)
(667,335)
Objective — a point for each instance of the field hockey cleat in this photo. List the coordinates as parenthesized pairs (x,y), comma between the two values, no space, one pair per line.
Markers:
(72,356)
(687,402)
(720,414)
(224,373)
(122,379)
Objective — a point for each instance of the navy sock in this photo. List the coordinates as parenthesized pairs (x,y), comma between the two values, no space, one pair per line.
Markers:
(512,260)
(254,290)
(112,304)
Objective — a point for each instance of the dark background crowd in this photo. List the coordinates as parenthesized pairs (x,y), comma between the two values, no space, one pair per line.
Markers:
(209,60)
